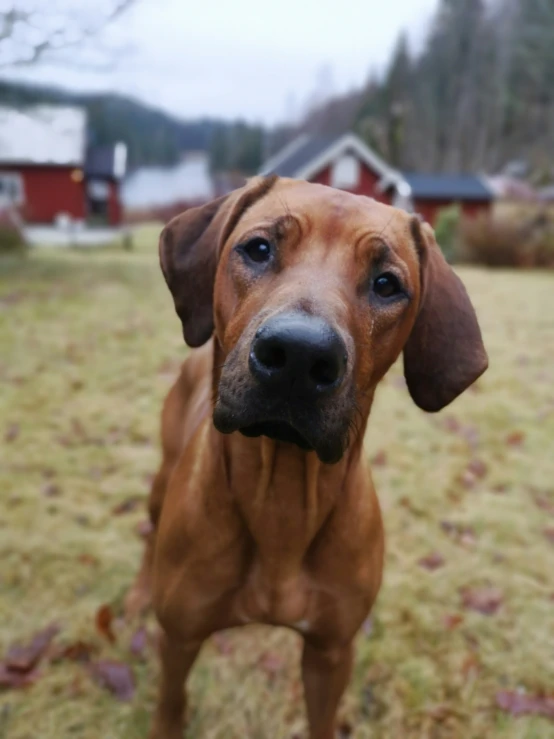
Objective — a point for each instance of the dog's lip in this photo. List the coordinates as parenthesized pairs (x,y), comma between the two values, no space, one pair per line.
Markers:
(228,419)
(277,430)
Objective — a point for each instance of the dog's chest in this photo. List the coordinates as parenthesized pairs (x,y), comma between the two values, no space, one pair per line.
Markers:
(281,598)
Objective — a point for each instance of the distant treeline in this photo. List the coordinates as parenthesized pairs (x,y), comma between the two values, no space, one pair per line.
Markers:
(152,136)
(480,93)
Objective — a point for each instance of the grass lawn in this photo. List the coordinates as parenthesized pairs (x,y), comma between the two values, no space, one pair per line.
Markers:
(89,344)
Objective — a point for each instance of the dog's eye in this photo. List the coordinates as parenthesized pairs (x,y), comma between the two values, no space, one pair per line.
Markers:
(258,250)
(387,285)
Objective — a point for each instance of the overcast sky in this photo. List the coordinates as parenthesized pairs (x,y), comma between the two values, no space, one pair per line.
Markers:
(246,58)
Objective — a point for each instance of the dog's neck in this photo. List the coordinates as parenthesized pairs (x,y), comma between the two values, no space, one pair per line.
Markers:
(284,495)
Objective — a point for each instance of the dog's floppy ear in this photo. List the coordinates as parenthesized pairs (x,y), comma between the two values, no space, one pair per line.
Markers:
(190,245)
(444,353)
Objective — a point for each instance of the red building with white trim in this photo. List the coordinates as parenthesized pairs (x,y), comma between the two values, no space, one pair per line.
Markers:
(48,170)
(347,163)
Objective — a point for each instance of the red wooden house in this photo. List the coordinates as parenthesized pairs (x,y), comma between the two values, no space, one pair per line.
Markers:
(47,168)
(347,163)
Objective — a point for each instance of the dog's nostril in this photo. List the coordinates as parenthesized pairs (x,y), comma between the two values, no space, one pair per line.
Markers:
(271,355)
(324,372)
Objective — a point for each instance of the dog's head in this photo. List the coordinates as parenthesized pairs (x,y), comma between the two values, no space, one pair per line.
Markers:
(312,293)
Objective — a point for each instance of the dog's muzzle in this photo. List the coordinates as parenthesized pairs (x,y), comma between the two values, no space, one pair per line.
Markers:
(292,387)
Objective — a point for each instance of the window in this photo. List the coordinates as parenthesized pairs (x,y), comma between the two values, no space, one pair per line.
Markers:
(11,188)
(345,173)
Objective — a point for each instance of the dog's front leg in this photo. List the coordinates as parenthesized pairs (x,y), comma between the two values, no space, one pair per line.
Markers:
(177,658)
(325,673)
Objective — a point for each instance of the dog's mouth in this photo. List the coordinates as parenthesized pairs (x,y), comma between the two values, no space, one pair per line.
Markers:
(278,431)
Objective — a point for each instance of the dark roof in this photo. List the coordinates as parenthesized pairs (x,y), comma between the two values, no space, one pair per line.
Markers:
(447,187)
(100,161)
(302,155)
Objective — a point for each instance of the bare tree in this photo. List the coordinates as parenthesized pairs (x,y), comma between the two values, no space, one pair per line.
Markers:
(33,31)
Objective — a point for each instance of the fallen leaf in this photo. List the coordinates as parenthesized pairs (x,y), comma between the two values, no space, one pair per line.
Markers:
(345,729)
(468,432)
(464,535)
(76,689)
(515,439)
(380,459)
(12,432)
(451,424)
(471,640)
(139,641)
(440,712)
(116,677)
(78,429)
(432,561)
(519,703)
(477,467)
(104,619)
(471,666)
(452,620)
(12,298)
(367,626)
(13,679)
(79,651)
(51,490)
(549,533)
(144,529)
(544,503)
(468,538)
(468,479)
(87,559)
(471,435)
(149,479)
(485,599)
(222,644)
(24,658)
(128,505)
(271,664)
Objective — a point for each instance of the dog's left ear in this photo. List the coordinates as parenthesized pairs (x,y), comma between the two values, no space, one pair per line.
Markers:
(189,248)
(444,353)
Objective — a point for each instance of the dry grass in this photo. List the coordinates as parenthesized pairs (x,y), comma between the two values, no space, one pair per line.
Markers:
(88,346)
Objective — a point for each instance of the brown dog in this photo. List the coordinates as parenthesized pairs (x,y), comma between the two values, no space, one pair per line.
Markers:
(264,509)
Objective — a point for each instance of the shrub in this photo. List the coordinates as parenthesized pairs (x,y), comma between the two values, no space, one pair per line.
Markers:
(501,241)
(447,229)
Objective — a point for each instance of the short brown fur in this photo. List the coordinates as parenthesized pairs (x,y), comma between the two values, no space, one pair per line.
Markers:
(254,530)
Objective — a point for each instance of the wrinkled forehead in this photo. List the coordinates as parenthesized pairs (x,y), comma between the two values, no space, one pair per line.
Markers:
(324,214)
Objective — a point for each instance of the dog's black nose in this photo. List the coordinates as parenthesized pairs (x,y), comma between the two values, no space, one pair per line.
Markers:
(299,354)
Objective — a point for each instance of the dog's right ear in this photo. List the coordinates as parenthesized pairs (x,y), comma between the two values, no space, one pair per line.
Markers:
(190,246)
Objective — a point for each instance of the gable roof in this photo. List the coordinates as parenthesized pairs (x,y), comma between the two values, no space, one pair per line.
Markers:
(447,186)
(297,155)
(44,134)
(308,155)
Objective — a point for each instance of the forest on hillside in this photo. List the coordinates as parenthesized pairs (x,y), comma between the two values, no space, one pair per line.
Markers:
(479,94)
(153,137)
